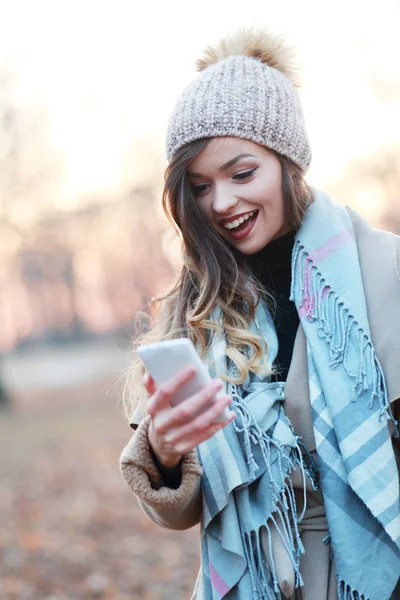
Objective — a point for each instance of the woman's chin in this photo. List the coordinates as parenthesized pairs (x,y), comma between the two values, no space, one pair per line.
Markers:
(251,246)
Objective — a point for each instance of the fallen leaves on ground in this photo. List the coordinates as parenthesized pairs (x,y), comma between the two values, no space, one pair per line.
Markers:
(70,527)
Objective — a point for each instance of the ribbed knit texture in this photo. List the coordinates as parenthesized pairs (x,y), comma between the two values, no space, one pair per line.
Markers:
(243,97)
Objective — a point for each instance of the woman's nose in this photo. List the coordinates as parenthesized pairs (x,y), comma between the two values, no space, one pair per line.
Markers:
(223,201)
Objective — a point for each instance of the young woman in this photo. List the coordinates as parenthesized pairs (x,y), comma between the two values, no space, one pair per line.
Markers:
(294,304)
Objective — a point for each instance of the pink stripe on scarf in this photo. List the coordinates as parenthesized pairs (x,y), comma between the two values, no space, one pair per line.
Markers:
(316,257)
(303,311)
(218,583)
(338,240)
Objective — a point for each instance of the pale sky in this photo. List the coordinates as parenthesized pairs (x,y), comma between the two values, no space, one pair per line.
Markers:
(110,71)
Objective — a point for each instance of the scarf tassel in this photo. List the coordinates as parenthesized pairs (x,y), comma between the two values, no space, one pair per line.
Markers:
(318,302)
(284,518)
(256,563)
(346,593)
(260,559)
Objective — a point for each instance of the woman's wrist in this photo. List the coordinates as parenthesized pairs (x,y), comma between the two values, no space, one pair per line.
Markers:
(167,460)
(171,476)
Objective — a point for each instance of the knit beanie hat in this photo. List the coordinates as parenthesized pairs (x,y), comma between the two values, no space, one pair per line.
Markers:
(246,88)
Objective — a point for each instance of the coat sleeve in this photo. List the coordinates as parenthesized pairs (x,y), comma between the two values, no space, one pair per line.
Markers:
(171,508)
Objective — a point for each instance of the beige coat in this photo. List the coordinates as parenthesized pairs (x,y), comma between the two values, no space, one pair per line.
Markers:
(379,254)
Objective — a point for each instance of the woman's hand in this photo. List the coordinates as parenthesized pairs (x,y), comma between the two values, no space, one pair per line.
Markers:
(174,431)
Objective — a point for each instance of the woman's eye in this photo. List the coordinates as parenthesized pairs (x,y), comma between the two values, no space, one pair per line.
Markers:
(200,189)
(245,175)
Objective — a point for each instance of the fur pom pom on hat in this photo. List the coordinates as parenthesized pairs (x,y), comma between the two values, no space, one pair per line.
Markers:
(269,48)
(245,88)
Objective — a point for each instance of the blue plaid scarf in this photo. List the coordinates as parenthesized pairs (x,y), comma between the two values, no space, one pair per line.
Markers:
(248,499)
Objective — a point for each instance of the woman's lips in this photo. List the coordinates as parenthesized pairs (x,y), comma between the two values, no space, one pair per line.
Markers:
(241,232)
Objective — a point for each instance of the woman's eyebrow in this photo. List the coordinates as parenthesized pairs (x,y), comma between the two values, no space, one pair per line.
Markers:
(226,165)
(233,161)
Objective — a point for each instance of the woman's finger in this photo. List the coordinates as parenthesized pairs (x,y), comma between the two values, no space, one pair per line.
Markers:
(163,394)
(186,411)
(189,443)
(200,423)
(149,384)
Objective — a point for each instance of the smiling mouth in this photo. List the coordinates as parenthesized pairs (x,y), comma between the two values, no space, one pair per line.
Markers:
(243,229)
(234,223)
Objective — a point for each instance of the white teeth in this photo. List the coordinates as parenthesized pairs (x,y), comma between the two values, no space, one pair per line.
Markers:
(238,221)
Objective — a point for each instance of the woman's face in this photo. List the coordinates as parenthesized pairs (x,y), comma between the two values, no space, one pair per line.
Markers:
(235,179)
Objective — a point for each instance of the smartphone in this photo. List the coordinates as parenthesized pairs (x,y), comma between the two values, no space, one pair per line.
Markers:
(164,359)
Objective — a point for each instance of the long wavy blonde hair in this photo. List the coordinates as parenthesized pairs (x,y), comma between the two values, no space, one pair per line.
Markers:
(213,273)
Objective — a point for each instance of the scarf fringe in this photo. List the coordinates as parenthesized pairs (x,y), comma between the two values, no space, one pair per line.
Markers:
(257,565)
(262,567)
(284,514)
(346,593)
(335,324)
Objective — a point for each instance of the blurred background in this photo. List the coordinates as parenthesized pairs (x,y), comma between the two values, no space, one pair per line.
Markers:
(86,89)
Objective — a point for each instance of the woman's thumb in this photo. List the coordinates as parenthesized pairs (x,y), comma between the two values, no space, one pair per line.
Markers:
(149,384)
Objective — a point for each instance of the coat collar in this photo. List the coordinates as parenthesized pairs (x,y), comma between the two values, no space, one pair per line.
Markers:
(379,254)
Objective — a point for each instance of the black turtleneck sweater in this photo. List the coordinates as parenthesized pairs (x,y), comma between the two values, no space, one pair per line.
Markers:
(272,267)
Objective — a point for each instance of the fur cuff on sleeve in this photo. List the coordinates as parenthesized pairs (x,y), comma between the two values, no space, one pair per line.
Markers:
(141,474)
